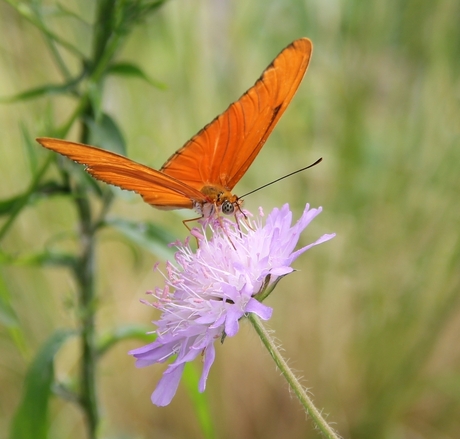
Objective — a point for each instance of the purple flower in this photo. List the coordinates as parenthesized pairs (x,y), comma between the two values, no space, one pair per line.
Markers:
(208,291)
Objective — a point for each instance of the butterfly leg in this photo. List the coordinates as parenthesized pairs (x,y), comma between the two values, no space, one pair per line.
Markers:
(245,217)
(184,222)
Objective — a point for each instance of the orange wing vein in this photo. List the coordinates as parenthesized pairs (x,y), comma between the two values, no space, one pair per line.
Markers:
(155,187)
(223,150)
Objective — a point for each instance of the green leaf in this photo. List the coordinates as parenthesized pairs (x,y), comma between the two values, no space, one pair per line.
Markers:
(31,417)
(6,206)
(153,238)
(48,258)
(95,97)
(28,11)
(40,259)
(105,133)
(33,93)
(50,188)
(16,209)
(128,332)
(200,404)
(42,191)
(142,9)
(31,149)
(9,319)
(129,69)
(59,10)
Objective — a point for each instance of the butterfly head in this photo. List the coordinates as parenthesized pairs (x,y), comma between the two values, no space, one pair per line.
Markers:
(219,199)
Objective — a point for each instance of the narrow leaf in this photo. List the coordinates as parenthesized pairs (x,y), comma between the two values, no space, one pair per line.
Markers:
(105,133)
(41,259)
(9,319)
(33,93)
(16,209)
(27,11)
(44,190)
(200,404)
(31,149)
(128,332)
(95,98)
(31,418)
(151,237)
(129,69)
(8,316)
(6,206)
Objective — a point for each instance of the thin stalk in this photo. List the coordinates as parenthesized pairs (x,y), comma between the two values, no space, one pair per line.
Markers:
(29,14)
(293,382)
(85,274)
(53,49)
(85,270)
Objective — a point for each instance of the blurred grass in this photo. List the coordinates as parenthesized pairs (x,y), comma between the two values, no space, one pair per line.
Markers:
(372,318)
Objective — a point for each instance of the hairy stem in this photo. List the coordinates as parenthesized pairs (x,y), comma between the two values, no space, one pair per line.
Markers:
(292,380)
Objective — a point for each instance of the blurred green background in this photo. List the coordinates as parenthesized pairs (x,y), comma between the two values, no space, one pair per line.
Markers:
(370,319)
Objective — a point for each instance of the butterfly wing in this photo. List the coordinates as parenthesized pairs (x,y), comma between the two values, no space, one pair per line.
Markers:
(223,150)
(218,155)
(156,188)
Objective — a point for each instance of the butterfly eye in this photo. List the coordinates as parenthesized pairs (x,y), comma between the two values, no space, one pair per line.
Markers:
(227,207)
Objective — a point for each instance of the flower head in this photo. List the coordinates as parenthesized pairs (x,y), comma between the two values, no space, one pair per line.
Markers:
(208,291)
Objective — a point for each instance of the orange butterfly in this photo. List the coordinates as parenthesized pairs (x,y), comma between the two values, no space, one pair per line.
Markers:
(202,173)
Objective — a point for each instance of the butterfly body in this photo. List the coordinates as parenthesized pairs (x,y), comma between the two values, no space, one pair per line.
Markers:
(202,174)
(220,198)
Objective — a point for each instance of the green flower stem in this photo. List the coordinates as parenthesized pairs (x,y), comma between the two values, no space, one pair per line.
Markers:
(300,392)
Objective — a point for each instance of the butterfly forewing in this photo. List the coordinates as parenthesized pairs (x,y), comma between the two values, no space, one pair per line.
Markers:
(223,150)
(156,188)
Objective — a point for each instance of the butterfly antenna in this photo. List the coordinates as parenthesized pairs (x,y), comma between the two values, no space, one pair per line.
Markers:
(282,178)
